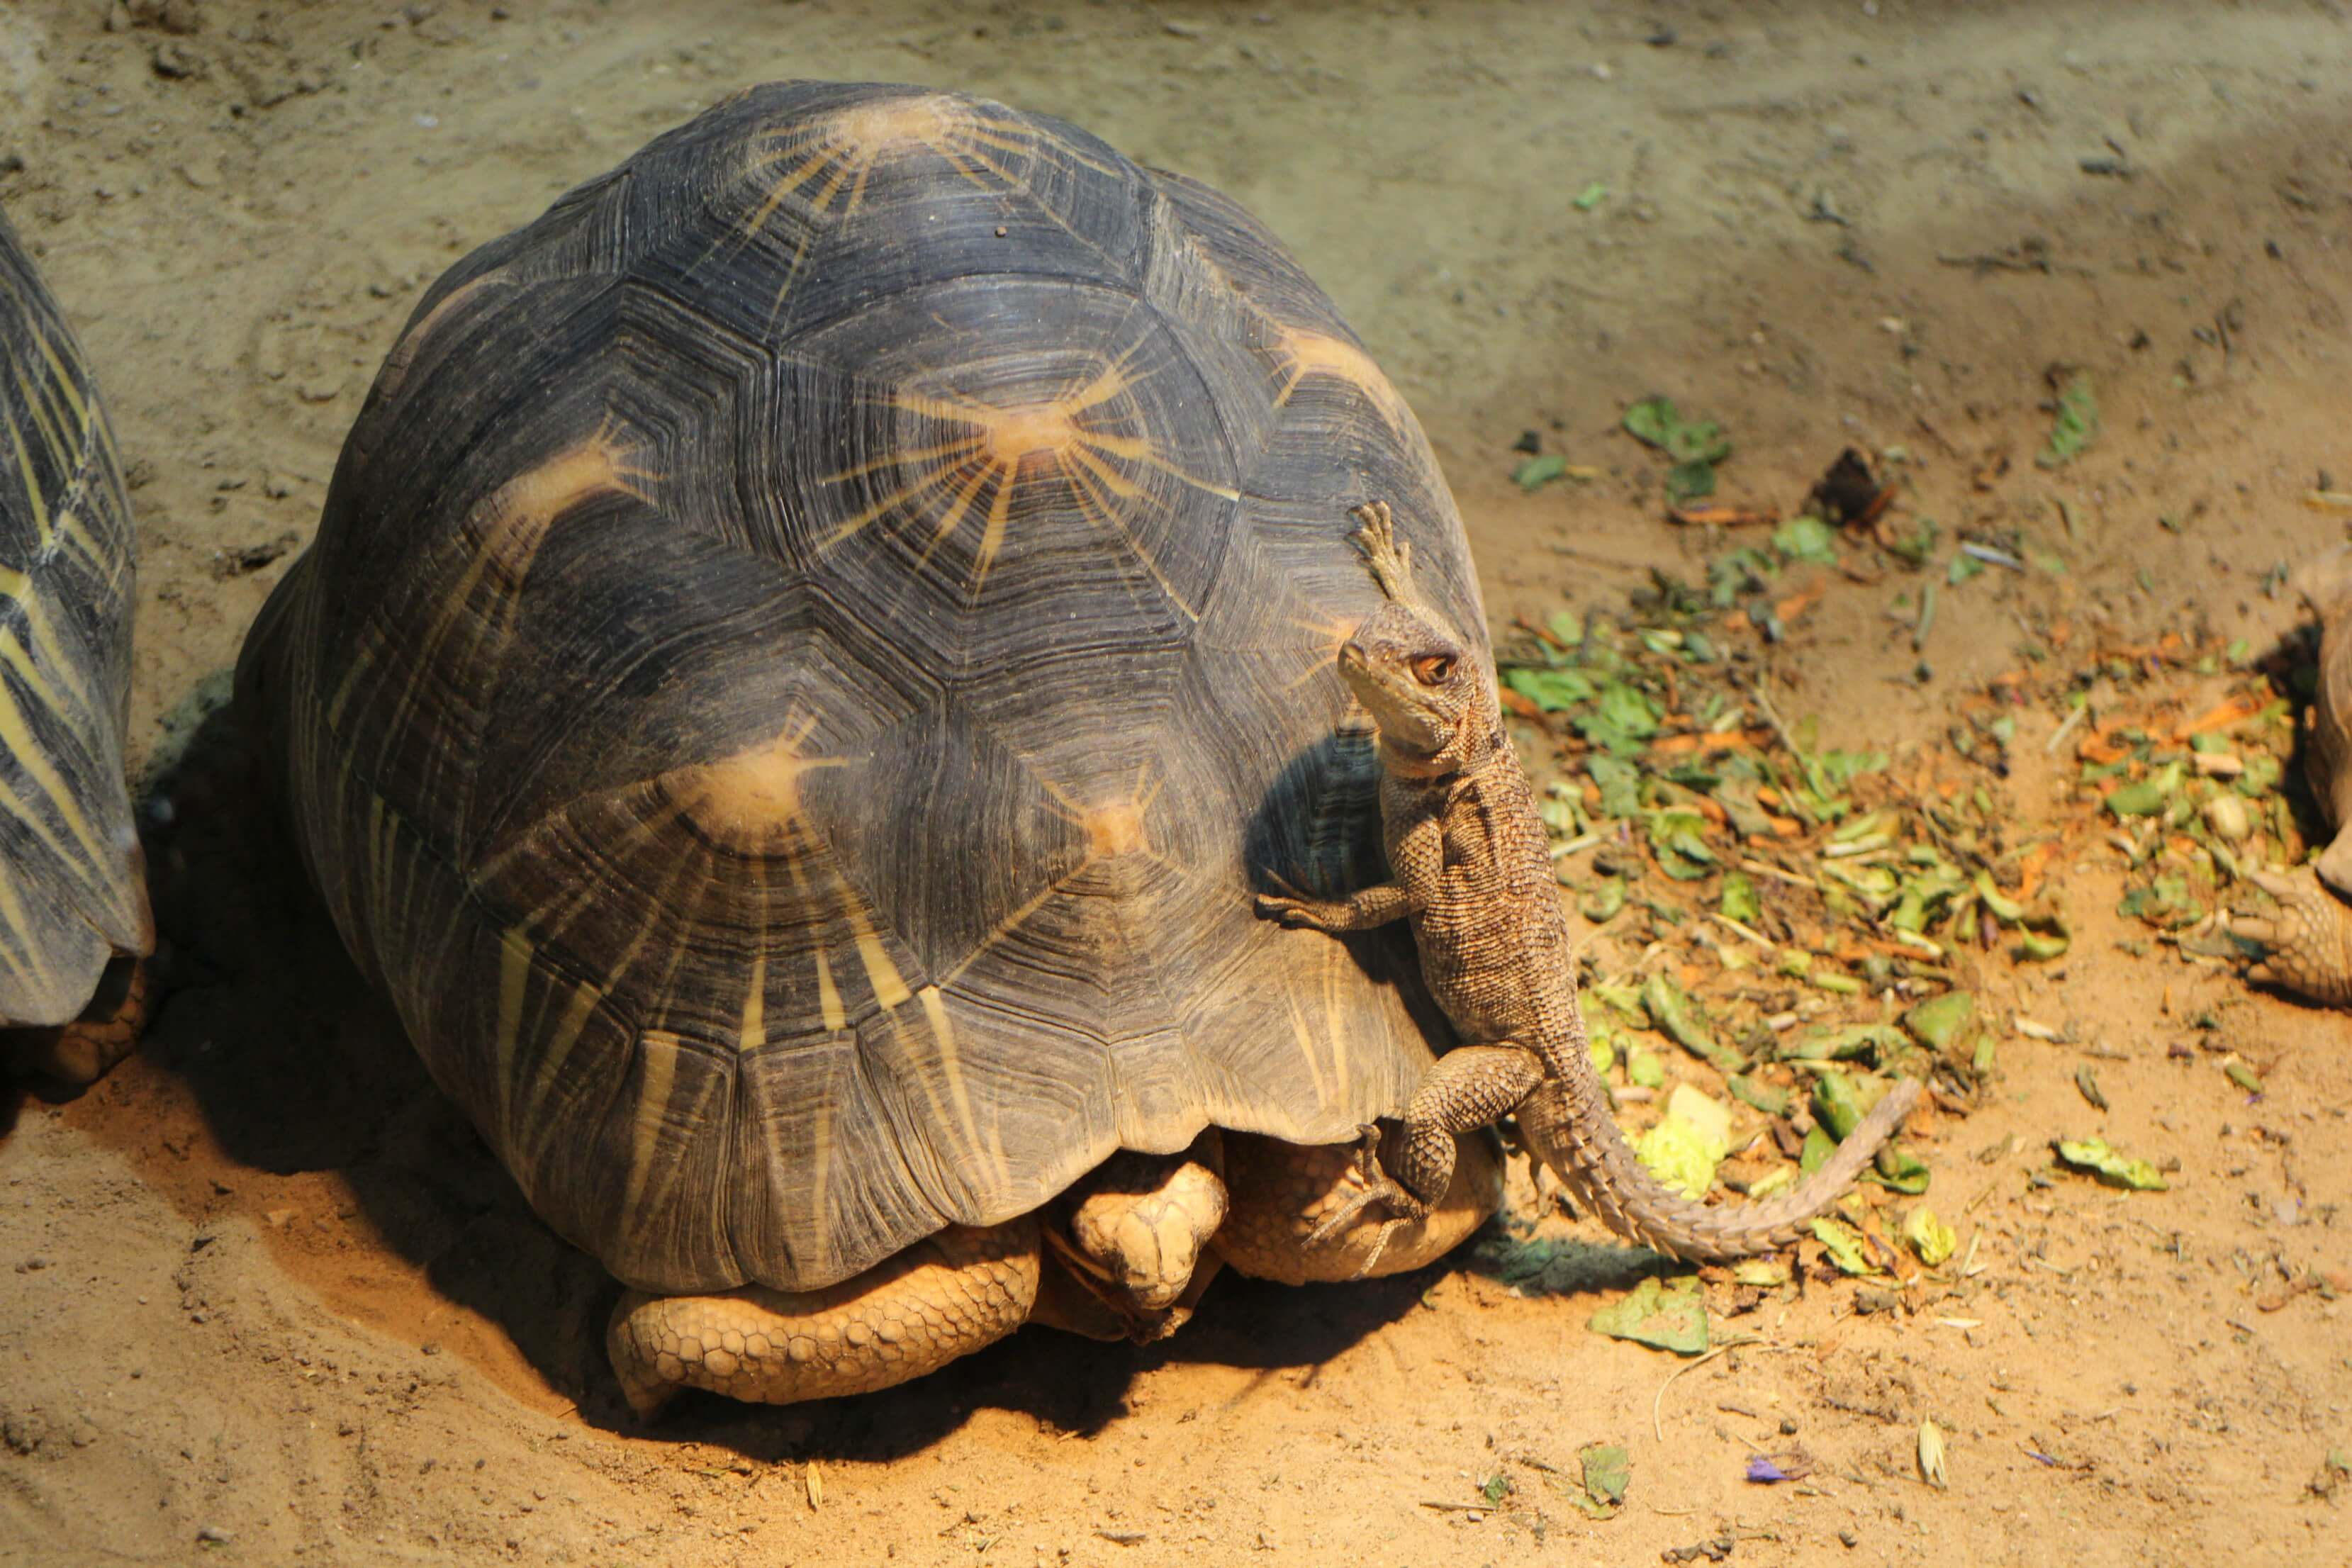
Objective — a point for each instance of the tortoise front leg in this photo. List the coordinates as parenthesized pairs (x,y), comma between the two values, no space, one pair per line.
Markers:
(945,1297)
(2310,942)
(83,1051)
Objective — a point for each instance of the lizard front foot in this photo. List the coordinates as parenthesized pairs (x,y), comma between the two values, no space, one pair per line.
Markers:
(1389,557)
(1291,905)
(1294,912)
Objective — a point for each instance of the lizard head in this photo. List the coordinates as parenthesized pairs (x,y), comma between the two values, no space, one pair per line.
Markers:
(1424,690)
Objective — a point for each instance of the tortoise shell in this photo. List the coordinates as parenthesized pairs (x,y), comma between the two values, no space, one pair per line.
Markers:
(808,646)
(73,891)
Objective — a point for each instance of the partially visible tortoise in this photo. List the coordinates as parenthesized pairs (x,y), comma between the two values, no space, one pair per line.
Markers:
(810,645)
(74,920)
(2310,941)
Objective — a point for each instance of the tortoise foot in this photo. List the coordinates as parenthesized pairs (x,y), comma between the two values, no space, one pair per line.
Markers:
(2310,942)
(944,1296)
(1285,1193)
(1134,1233)
(81,1052)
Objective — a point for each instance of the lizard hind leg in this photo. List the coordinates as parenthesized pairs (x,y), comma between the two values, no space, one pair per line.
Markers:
(1282,1193)
(1469,1087)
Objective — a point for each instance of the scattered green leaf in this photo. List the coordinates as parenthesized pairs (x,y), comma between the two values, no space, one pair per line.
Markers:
(2097,1157)
(1898,1170)
(1762,1096)
(1738,901)
(1694,446)
(1841,1101)
(1675,1014)
(1941,1021)
(1855,1040)
(1552,690)
(1602,905)
(2077,422)
(2039,947)
(1806,538)
(1538,472)
(1688,1142)
(1650,420)
(1844,1246)
(1930,1237)
(1667,1318)
(1690,481)
(1620,783)
(1624,719)
(1678,838)
(1607,1471)
(2149,796)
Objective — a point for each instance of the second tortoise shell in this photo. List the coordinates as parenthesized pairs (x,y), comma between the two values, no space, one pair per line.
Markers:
(809,644)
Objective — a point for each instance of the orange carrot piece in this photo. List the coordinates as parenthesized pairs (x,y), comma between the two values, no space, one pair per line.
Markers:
(2030,869)
(2236,710)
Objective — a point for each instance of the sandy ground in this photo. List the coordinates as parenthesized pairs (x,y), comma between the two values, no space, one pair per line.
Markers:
(263,1284)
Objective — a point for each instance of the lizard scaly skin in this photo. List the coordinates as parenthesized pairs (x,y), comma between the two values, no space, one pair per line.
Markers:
(1474,876)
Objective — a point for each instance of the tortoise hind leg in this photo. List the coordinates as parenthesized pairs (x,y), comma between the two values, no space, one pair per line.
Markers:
(1283,1193)
(83,1051)
(2310,942)
(944,1296)
(1133,1234)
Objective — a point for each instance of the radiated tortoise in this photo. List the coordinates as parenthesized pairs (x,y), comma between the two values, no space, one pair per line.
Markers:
(73,896)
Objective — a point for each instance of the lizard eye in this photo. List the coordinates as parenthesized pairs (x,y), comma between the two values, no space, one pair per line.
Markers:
(1434,669)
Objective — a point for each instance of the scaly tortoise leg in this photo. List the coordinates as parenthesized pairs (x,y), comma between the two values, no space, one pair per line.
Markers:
(2310,942)
(1283,1192)
(81,1052)
(947,1296)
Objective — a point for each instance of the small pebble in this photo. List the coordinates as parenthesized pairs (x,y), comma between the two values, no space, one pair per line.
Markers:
(214,1535)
